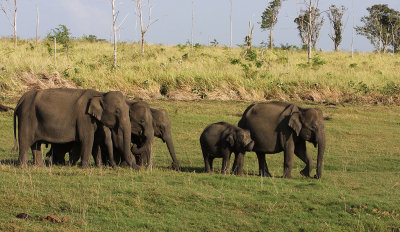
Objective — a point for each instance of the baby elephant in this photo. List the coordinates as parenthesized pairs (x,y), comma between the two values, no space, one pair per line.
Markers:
(220,140)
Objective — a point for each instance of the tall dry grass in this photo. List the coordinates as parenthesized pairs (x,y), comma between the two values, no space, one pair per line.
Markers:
(177,72)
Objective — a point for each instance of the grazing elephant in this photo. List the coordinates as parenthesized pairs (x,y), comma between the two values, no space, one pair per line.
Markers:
(220,140)
(68,115)
(280,126)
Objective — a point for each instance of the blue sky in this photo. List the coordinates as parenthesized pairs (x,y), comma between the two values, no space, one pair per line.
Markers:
(174,25)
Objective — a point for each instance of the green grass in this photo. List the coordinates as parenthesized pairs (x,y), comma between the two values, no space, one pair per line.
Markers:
(217,73)
(360,181)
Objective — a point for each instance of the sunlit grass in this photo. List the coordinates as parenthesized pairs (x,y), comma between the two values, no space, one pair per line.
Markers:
(360,183)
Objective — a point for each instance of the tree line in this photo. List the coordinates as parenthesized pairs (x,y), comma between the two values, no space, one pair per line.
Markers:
(381,26)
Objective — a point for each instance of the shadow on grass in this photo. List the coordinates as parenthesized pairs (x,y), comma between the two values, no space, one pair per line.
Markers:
(192,169)
(10,162)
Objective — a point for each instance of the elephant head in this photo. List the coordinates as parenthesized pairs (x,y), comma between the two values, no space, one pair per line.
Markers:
(309,125)
(112,111)
(240,140)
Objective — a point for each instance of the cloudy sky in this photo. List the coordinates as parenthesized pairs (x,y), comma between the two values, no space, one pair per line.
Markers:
(175,20)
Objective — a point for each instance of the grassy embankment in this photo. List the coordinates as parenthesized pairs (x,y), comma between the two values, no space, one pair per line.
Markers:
(176,72)
(359,191)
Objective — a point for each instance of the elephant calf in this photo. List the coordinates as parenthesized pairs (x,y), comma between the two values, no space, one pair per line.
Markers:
(219,140)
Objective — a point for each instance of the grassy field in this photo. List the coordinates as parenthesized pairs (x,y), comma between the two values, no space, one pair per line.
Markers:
(359,191)
(214,73)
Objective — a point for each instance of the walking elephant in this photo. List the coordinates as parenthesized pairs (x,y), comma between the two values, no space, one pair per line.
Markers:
(280,126)
(219,140)
(68,115)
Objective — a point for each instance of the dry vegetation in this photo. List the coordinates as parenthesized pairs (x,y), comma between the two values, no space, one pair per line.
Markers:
(176,72)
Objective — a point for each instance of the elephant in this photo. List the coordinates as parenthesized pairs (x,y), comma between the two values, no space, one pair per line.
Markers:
(102,141)
(66,115)
(220,140)
(142,130)
(162,130)
(280,126)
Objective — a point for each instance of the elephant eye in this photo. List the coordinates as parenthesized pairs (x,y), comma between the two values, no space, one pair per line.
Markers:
(117,111)
(142,121)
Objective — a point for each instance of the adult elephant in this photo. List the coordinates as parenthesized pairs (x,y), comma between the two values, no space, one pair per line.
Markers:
(141,122)
(280,126)
(67,115)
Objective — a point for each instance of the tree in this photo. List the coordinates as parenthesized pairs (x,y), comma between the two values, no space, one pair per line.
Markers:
(380,27)
(62,36)
(143,28)
(309,24)
(269,18)
(114,33)
(6,8)
(335,16)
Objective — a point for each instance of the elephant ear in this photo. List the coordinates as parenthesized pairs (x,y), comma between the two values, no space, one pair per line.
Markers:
(95,108)
(229,139)
(295,123)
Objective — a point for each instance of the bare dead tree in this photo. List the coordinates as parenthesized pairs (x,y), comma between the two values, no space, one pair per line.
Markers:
(250,36)
(309,24)
(114,33)
(5,6)
(144,28)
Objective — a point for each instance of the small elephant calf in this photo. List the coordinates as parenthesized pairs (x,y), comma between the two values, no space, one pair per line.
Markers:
(220,139)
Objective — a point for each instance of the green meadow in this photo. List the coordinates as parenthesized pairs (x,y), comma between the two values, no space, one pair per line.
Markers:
(359,190)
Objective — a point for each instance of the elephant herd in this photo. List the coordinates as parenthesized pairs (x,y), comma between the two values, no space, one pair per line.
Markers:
(86,122)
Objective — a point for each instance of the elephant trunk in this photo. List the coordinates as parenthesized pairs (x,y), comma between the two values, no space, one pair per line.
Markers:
(171,149)
(321,150)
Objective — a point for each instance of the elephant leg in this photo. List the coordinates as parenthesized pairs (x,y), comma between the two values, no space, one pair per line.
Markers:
(262,165)
(24,145)
(74,154)
(210,161)
(207,167)
(225,161)
(237,167)
(301,152)
(96,153)
(37,154)
(86,150)
(288,161)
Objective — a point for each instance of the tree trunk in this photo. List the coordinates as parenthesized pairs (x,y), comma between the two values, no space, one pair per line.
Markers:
(271,38)
(142,43)
(15,23)
(115,35)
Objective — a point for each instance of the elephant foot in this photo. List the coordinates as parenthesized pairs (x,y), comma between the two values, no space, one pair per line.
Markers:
(317,176)
(265,174)
(85,165)
(305,173)
(175,166)
(287,175)
(136,167)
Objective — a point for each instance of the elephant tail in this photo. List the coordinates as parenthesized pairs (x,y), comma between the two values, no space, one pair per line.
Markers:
(15,148)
